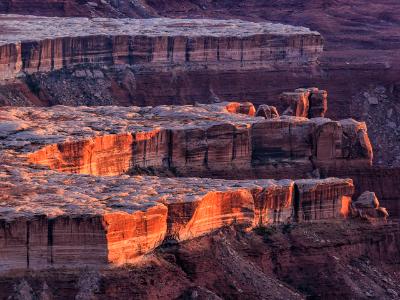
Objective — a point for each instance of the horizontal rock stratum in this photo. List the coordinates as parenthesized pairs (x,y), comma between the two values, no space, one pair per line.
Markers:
(36,44)
(54,211)
(201,140)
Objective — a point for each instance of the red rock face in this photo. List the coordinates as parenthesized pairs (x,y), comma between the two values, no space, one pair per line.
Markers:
(316,255)
(88,157)
(276,148)
(41,242)
(322,200)
(131,235)
(215,210)
(120,237)
(307,103)
(274,204)
(157,47)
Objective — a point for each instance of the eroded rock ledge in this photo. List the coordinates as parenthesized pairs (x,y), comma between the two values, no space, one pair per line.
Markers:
(202,140)
(55,212)
(36,44)
(51,219)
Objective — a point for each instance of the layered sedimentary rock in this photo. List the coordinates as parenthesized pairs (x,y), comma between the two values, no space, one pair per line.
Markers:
(312,199)
(143,61)
(54,212)
(55,220)
(156,43)
(203,140)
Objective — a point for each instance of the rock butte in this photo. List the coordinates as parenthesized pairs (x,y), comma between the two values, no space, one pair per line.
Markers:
(36,44)
(59,216)
(127,53)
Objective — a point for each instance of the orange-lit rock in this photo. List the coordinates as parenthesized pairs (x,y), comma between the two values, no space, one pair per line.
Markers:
(53,219)
(274,203)
(295,104)
(246,108)
(213,211)
(69,194)
(202,140)
(367,206)
(131,235)
(109,154)
(321,199)
(308,103)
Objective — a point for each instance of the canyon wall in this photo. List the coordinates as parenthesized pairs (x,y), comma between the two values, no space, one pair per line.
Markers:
(158,45)
(71,189)
(119,237)
(288,147)
(382,181)
(165,61)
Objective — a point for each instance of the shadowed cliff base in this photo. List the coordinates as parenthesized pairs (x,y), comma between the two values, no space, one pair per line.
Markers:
(303,261)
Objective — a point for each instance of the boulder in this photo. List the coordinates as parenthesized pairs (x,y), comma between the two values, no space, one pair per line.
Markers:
(267,111)
(367,207)
(367,200)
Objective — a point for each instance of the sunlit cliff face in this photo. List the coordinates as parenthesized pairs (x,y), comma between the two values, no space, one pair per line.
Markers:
(84,193)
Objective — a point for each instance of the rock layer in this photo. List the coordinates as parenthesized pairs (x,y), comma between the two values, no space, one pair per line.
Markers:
(117,227)
(157,44)
(55,212)
(204,140)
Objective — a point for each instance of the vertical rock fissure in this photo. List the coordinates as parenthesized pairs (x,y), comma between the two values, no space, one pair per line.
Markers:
(170,49)
(40,57)
(131,59)
(50,239)
(170,149)
(52,54)
(234,136)
(218,50)
(187,50)
(27,243)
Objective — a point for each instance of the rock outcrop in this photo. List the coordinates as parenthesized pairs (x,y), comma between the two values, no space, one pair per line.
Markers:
(203,140)
(117,60)
(367,207)
(267,111)
(68,196)
(55,220)
(157,44)
(307,103)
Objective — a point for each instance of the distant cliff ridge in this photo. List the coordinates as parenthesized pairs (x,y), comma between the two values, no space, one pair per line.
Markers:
(35,44)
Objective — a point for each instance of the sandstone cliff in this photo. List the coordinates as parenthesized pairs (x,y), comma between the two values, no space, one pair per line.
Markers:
(203,140)
(62,203)
(75,220)
(158,44)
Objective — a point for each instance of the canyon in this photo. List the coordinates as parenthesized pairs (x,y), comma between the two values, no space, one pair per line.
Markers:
(78,190)
(182,149)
